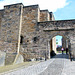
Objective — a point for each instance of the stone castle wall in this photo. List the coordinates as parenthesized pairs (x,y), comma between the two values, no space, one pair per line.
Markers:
(1,16)
(10,30)
(26,29)
(52,18)
(30,45)
(44,15)
(29,22)
(10,23)
(7,47)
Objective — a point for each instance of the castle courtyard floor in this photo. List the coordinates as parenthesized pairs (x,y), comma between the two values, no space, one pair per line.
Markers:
(59,65)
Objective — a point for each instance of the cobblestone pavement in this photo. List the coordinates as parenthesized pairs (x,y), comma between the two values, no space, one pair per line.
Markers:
(60,65)
(69,68)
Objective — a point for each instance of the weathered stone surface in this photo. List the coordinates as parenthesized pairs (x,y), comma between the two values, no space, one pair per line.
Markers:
(44,15)
(7,47)
(11,23)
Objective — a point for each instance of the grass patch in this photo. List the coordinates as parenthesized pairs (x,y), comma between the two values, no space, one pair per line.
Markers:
(61,51)
(16,66)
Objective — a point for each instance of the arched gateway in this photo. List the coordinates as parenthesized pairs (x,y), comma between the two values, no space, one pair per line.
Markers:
(66,28)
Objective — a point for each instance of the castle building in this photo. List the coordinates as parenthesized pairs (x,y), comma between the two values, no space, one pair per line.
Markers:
(26,31)
(18,29)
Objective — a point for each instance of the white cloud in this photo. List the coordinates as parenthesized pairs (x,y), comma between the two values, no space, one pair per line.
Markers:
(51,5)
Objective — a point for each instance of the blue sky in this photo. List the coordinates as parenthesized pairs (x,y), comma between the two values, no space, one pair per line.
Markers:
(58,39)
(68,12)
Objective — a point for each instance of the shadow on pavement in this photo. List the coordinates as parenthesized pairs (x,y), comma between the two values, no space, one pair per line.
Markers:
(61,56)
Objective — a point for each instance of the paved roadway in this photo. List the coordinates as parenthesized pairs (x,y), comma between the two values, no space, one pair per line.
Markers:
(60,65)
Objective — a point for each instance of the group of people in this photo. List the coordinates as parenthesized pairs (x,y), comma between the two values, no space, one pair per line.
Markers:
(62,49)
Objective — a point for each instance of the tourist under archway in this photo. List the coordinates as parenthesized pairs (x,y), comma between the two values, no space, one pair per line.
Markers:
(62,49)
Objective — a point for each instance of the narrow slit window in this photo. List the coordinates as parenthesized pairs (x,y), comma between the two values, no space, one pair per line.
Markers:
(21,39)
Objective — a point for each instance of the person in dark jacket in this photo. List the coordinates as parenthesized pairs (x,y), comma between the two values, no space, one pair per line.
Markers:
(66,50)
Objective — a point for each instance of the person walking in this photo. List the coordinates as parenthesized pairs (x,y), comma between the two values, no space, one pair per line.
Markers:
(66,50)
(62,49)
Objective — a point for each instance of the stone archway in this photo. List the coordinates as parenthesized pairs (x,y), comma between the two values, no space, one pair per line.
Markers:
(50,36)
(66,28)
